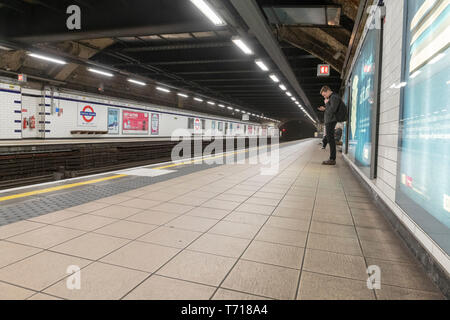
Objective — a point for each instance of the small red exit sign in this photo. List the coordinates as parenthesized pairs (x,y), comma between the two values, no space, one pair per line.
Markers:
(323,70)
(22,78)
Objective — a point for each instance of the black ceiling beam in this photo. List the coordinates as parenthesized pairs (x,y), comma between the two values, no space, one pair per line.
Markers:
(170,47)
(102,19)
(174,63)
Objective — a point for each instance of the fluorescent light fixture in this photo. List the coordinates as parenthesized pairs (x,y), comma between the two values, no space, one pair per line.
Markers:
(103,73)
(230,108)
(237,110)
(209,12)
(198,99)
(38,56)
(137,82)
(289,94)
(243,111)
(221,105)
(283,87)
(183,95)
(5,48)
(261,65)
(274,78)
(162,89)
(211,103)
(292,98)
(238,42)
(437,58)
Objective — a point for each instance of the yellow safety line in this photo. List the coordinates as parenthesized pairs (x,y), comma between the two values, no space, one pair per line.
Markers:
(68,186)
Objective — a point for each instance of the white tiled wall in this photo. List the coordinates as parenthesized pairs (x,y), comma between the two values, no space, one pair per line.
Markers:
(50,124)
(385,183)
(11,118)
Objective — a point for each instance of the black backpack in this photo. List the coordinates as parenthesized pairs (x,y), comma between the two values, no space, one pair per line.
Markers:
(342,112)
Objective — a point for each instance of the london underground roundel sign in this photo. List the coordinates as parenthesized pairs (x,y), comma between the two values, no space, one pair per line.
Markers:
(88,114)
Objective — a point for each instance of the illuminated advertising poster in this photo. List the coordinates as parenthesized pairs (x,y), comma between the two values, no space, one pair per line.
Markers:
(345,98)
(362,102)
(87,115)
(135,122)
(113,121)
(155,124)
(423,175)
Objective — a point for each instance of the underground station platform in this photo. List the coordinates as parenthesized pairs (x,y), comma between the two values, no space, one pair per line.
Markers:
(194,231)
(195,156)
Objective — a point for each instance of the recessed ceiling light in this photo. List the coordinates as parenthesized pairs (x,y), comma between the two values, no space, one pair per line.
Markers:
(274,78)
(137,82)
(261,65)
(289,94)
(103,73)
(221,105)
(198,99)
(38,56)
(211,103)
(162,89)
(283,87)
(241,44)
(206,9)
(183,95)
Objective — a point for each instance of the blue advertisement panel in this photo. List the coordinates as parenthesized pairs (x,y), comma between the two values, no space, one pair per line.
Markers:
(345,98)
(362,104)
(423,176)
(113,121)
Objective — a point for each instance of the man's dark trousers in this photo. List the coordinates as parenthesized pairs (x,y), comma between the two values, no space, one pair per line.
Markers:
(330,137)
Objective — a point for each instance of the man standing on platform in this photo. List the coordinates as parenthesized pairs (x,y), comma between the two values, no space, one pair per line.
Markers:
(332,102)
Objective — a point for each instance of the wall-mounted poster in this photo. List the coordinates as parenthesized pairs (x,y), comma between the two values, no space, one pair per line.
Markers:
(87,115)
(423,176)
(155,124)
(113,121)
(197,125)
(135,122)
(364,105)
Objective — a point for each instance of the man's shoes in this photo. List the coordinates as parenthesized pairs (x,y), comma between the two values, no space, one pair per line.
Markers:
(329,163)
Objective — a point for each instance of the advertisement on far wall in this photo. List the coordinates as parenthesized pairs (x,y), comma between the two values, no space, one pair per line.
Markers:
(113,121)
(135,122)
(155,124)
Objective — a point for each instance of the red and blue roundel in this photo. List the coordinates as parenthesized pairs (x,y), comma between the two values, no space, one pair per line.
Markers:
(88,114)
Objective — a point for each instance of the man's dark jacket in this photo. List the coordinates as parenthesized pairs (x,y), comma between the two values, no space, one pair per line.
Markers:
(331,108)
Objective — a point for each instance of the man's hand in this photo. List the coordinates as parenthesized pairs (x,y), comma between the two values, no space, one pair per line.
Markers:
(322,108)
(327,100)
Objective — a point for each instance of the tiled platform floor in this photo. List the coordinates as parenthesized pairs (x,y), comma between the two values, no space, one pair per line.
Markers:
(309,232)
